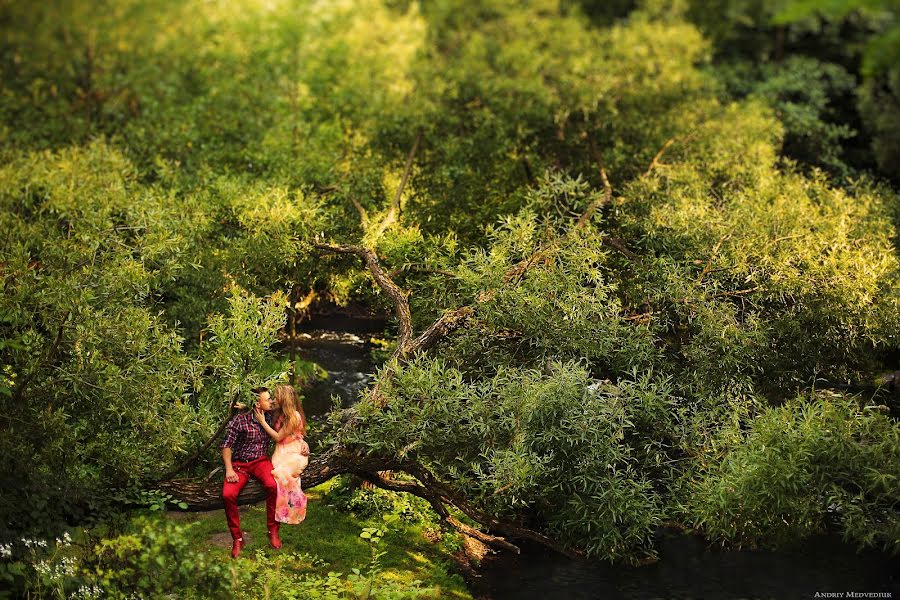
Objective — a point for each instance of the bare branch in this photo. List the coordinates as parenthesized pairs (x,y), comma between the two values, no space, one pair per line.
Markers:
(607,186)
(363,215)
(712,257)
(394,211)
(655,162)
(619,246)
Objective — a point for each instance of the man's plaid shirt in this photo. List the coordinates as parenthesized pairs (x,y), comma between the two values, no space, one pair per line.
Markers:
(246,438)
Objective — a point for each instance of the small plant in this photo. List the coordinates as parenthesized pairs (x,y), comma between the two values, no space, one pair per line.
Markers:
(158,500)
(41,568)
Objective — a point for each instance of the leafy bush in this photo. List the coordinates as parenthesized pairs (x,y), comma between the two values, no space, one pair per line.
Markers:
(156,561)
(801,467)
(365,502)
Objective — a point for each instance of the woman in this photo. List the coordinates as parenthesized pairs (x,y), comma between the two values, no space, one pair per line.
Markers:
(291,454)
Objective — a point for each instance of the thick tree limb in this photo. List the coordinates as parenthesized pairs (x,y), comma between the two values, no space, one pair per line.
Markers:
(447,323)
(438,506)
(401,304)
(470,510)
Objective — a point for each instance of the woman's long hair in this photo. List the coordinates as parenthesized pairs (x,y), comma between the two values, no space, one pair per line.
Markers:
(289,405)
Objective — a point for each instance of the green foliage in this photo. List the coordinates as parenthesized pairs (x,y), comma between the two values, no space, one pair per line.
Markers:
(879,102)
(364,502)
(797,469)
(154,562)
(560,447)
(156,558)
(882,51)
(98,380)
(165,165)
(802,91)
(755,290)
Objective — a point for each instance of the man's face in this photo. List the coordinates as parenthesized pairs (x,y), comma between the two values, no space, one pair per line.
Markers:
(264,400)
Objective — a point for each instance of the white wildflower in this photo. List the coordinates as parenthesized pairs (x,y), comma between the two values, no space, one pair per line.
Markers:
(88,593)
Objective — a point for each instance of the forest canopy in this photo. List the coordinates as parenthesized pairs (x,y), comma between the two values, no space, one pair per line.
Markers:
(652,251)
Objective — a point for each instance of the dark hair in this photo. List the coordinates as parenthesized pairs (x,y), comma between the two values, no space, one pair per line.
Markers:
(259,390)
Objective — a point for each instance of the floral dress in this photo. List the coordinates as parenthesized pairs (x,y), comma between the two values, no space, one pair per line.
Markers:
(289,461)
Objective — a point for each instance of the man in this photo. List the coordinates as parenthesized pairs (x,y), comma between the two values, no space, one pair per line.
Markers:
(244,451)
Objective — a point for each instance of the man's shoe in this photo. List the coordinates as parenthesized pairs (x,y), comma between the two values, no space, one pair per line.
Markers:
(236,546)
(274,540)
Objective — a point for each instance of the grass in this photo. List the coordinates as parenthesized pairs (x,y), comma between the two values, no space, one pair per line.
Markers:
(329,541)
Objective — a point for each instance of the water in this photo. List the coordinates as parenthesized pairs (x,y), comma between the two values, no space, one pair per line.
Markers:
(341,346)
(688,568)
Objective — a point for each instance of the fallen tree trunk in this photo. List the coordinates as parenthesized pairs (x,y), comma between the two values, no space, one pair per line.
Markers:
(205,494)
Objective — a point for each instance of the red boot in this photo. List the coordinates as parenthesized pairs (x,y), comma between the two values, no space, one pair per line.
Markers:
(274,540)
(236,546)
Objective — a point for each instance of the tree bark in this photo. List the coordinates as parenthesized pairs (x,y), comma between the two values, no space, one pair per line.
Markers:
(206,494)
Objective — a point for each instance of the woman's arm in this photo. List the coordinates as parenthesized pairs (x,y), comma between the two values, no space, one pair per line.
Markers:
(275,435)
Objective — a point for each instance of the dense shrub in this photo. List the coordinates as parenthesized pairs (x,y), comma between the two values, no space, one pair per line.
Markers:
(813,463)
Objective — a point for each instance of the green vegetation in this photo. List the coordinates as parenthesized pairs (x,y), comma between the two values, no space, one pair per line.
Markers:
(333,555)
(660,239)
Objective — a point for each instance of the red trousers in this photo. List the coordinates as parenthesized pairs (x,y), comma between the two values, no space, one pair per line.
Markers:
(261,469)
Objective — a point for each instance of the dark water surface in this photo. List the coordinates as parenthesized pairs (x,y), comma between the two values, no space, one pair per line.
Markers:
(340,345)
(688,566)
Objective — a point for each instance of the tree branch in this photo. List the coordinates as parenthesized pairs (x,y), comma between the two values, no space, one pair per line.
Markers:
(712,257)
(655,162)
(363,215)
(401,303)
(394,211)
(607,186)
(438,506)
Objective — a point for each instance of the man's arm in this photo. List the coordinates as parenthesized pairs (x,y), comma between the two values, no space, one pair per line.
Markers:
(227,443)
(230,475)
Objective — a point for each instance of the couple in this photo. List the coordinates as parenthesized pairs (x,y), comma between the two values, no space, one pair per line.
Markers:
(244,451)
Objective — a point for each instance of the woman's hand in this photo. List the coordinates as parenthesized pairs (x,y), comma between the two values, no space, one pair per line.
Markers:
(231,476)
(260,415)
